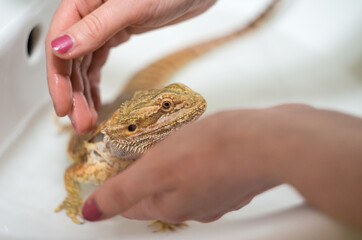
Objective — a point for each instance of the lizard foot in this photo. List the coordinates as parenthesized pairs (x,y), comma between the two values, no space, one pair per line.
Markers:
(168,227)
(72,206)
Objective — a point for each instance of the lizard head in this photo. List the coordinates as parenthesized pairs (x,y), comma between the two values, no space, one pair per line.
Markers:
(150,116)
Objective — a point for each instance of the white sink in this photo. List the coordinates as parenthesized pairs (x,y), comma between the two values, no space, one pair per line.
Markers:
(23,26)
(309,52)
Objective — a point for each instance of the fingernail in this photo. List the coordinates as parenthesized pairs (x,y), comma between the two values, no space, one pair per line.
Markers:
(62,44)
(90,211)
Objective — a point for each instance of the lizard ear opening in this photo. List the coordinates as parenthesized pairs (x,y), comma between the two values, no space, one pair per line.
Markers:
(132,128)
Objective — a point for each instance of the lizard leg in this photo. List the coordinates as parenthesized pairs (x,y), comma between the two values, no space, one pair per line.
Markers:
(82,172)
(168,227)
(73,201)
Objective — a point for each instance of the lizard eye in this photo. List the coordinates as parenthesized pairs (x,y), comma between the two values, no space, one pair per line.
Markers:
(132,128)
(166,105)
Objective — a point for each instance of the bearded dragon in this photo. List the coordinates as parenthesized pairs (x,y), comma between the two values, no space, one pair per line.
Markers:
(129,126)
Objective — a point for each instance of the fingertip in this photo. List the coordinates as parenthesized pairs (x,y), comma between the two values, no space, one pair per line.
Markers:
(127,193)
(61,111)
(91,211)
(113,197)
(61,93)
(81,115)
(101,204)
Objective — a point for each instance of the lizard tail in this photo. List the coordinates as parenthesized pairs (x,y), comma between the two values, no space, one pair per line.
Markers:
(159,72)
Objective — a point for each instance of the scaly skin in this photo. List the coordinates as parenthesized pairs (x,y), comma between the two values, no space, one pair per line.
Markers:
(144,120)
(124,133)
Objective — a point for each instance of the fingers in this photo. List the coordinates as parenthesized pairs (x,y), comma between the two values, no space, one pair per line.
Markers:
(59,71)
(81,115)
(87,90)
(94,29)
(74,85)
(59,84)
(66,76)
(123,191)
(81,27)
(98,60)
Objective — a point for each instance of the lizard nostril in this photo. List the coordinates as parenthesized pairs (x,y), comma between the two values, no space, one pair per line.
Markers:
(132,128)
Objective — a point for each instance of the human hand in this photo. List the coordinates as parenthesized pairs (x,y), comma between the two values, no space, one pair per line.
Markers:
(221,162)
(199,173)
(79,39)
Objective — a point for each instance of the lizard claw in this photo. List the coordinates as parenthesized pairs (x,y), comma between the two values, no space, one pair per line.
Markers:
(59,208)
(168,227)
(72,208)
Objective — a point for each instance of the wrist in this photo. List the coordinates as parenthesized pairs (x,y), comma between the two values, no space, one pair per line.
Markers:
(239,132)
(318,152)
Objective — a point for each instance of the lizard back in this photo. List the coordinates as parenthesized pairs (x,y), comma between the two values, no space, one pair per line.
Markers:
(157,74)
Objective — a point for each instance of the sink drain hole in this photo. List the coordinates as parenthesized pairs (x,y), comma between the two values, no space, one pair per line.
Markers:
(33,39)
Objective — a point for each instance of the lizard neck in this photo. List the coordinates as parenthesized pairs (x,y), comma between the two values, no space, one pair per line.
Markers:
(133,148)
(102,146)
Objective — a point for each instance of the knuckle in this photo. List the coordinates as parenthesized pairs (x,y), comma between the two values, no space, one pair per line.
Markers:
(144,13)
(94,27)
(84,7)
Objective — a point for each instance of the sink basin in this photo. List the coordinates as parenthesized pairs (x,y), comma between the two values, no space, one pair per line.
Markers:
(308,52)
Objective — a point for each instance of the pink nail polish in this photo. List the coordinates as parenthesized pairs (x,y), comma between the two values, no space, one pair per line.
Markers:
(62,44)
(90,211)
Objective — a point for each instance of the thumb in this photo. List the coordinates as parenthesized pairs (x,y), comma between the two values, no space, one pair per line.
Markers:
(93,30)
(121,192)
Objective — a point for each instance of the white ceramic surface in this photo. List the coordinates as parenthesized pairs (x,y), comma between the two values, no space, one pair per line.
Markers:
(23,26)
(308,52)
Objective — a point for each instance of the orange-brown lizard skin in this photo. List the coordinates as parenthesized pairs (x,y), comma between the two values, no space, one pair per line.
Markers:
(129,126)
(133,128)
